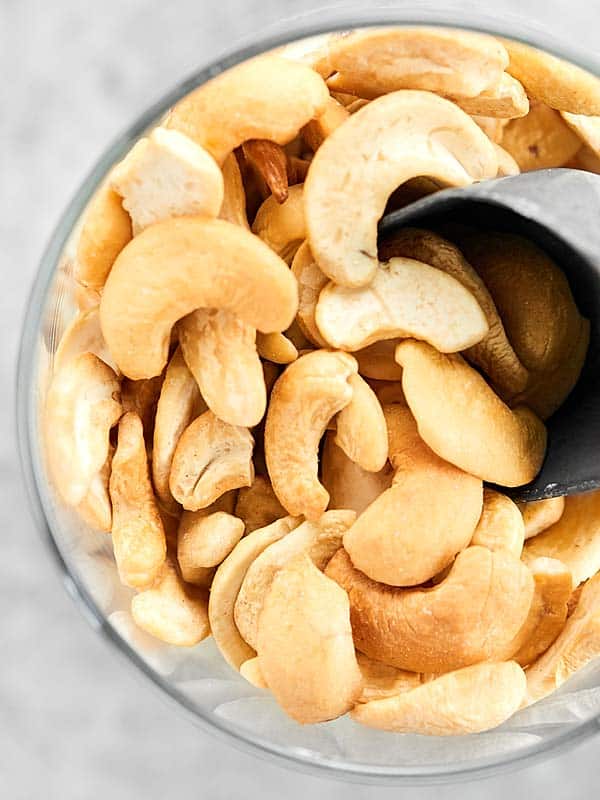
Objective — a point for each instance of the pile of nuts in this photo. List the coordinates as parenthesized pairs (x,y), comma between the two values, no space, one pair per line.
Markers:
(287,425)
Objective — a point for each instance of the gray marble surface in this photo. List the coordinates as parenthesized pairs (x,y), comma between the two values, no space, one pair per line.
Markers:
(75,720)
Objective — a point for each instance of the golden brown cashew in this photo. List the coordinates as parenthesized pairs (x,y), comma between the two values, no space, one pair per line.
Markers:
(376,361)
(319,540)
(506,100)
(265,98)
(220,351)
(226,585)
(82,335)
(184,264)
(317,130)
(306,396)
(468,617)
(310,283)
(395,138)
(541,514)
(187,537)
(540,140)
(206,541)
(468,700)
(465,422)
(501,525)
(270,161)
(211,458)
(276,347)
(257,505)
(250,670)
(382,680)
(416,527)
(361,430)
(281,225)
(233,208)
(137,531)
(141,397)
(305,647)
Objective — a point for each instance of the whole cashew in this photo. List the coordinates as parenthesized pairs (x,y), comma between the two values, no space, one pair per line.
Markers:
(306,396)
(305,646)
(460,417)
(507,99)
(361,429)
(395,138)
(184,264)
(540,140)
(310,283)
(469,617)
(416,527)
(281,225)
(541,514)
(233,208)
(257,505)
(501,525)
(376,361)
(382,680)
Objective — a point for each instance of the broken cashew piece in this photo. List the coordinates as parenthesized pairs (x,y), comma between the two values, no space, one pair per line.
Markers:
(305,648)
(538,515)
(311,280)
(540,140)
(361,429)
(276,347)
(501,524)
(309,393)
(233,208)
(257,505)
(281,225)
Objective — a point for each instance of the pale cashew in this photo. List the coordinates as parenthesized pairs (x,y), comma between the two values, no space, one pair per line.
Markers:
(187,536)
(317,130)
(311,280)
(395,138)
(250,670)
(82,335)
(96,508)
(305,648)
(257,505)
(416,527)
(281,225)
(493,127)
(105,231)
(82,405)
(577,644)
(171,610)
(184,264)
(233,208)
(167,175)
(276,347)
(470,616)
(382,680)
(141,397)
(506,163)
(226,585)
(507,100)
(137,530)
(501,524)
(540,140)
(211,458)
(206,541)
(319,540)
(270,161)
(220,351)
(265,98)
(494,353)
(361,429)
(306,396)
(541,514)
(574,539)
(461,418)
(179,403)
(376,361)
(468,700)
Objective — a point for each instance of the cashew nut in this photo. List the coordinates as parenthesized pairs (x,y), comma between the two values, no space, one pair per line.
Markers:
(275,347)
(507,99)
(541,514)
(306,396)
(270,161)
(460,417)
(233,208)
(468,700)
(506,163)
(468,617)
(395,138)
(95,508)
(82,335)
(361,430)
(493,127)
(257,505)
(187,536)
(141,397)
(540,140)
(305,647)
(382,680)
(317,130)
(416,527)
(281,225)
(311,280)
(184,264)
(211,457)
(588,130)
(501,524)
(205,541)
(376,361)
(250,670)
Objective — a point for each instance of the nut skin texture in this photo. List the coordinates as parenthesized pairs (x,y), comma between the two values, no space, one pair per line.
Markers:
(211,458)
(540,140)
(305,646)
(461,418)
(501,525)
(361,428)
(184,264)
(467,618)
(281,225)
(538,515)
(257,505)
(416,527)
(303,401)
(469,700)
(137,530)
(414,133)
(233,208)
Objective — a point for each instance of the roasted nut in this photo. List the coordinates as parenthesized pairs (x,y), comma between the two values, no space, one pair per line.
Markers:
(141,397)
(469,617)
(250,670)
(276,347)
(501,525)
(507,100)
(376,361)
(305,648)
(226,585)
(137,530)
(361,429)
(186,536)
(205,541)
(393,139)
(460,417)
(211,458)
(257,505)
(270,161)
(468,700)
(310,283)
(382,680)
(416,527)
(306,396)
(540,140)
(317,130)
(233,208)
(281,225)
(82,335)
(184,264)
(541,514)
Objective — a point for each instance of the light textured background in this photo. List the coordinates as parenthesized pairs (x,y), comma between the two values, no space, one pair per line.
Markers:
(75,721)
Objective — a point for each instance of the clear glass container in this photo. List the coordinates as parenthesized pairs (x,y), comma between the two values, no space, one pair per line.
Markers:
(197,679)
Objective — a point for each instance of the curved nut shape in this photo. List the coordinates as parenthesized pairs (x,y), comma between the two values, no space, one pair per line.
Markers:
(469,700)
(465,422)
(507,99)
(276,347)
(318,540)
(540,140)
(95,509)
(493,127)
(361,429)
(82,335)
(407,299)
(257,505)
(226,585)
(82,405)
(211,458)
(308,394)
(541,514)
(305,647)
(376,361)
(310,283)
(469,617)
(171,610)
(395,138)
(281,225)
(416,527)
(184,264)
(186,536)
(315,133)
(266,98)
(501,524)
(233,208)
(138,535)
(206,541)
(250,670)
(382,680)
(220,351)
